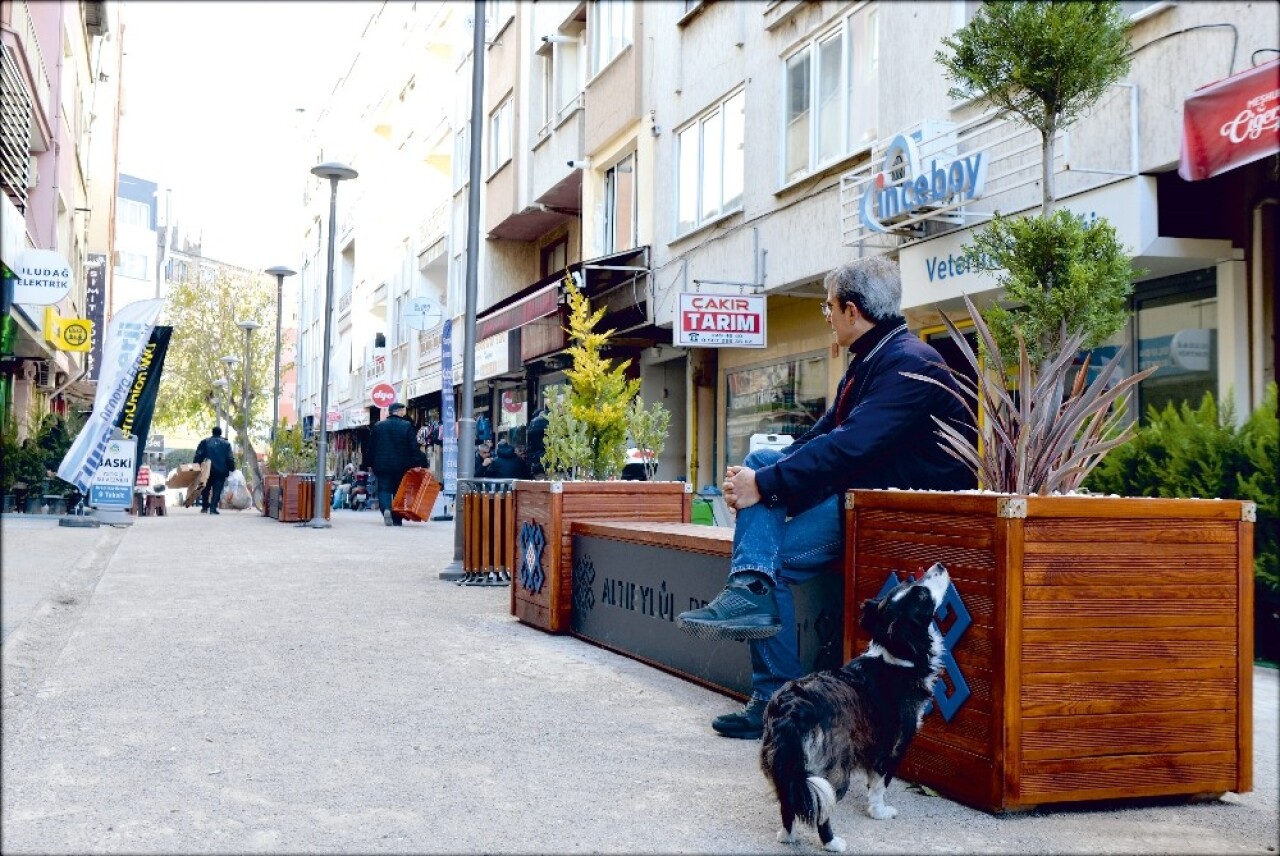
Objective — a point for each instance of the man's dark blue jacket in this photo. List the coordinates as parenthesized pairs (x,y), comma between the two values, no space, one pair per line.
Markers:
(879,433)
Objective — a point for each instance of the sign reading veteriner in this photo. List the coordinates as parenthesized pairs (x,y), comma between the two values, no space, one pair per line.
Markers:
(949,184)
(44,278)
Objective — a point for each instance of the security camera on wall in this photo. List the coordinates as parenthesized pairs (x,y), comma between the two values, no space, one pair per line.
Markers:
(581,163)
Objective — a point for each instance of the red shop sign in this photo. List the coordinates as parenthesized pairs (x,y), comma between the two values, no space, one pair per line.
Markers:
(1231,123)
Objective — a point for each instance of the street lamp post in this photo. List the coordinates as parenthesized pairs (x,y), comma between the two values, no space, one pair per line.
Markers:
(248,327)
(228,363)
(335,172)
(279,272)
(221,386)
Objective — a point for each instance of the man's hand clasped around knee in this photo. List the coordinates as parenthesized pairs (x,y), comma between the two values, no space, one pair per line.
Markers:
(740,489)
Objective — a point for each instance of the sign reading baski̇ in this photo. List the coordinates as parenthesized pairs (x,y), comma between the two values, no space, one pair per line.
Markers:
(721,321)
(44,278)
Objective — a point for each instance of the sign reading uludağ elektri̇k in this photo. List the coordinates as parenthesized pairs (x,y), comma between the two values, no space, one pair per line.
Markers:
(917,191)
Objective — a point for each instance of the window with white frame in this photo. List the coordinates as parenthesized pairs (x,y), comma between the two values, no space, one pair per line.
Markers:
(570,75)
(497,13)
(461,157)
(130,212)
(828,100)
(620,206)
(710,165)
(609,31)
(545,95)
(500,135)
(132,265)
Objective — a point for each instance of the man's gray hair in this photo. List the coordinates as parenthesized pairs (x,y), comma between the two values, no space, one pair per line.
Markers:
(873,284)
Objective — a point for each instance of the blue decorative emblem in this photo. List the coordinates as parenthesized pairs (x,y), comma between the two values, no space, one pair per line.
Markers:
(529,547)
(584,580)
(953,608)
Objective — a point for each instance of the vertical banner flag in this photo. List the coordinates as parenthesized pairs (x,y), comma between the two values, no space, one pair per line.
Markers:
(95,306)
(135,417)
(448,421)
(122,348)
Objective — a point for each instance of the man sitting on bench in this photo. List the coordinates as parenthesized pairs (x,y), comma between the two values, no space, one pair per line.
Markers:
(880,433)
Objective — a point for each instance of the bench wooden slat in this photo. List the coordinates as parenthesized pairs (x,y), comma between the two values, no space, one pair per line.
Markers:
(692,537)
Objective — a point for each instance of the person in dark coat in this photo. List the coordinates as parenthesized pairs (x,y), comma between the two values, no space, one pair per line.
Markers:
(393,447)
(535,442)
(880,433)
(222,461)
(506,464)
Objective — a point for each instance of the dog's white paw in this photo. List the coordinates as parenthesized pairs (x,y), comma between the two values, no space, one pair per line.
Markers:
(835,845)
(882,812)
(785,837)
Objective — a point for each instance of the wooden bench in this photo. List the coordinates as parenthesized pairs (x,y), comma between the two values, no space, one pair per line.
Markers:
(631,580)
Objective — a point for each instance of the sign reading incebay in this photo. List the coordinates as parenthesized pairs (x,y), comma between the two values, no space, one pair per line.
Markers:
(44,278)
(112,485)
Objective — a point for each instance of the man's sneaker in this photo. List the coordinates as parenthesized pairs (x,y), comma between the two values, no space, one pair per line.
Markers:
(386,518)
(746,724)
(736,613)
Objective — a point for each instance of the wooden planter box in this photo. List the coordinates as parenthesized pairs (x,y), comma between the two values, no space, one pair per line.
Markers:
(296,497)
(271,495)
(1108,646)
(544,511)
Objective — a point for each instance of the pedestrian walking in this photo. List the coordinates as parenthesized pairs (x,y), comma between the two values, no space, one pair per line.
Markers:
(394,451)
(222,462)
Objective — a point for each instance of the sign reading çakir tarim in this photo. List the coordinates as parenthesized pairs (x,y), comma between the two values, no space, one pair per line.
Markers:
(721,321)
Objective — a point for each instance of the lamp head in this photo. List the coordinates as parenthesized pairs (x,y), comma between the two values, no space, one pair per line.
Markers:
(248,326)
(220,383)
(230,361)
(333,169)
(279,270)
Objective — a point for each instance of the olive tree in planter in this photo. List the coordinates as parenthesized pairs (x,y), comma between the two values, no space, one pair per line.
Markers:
(288,486)
(1095,647)
(588,422)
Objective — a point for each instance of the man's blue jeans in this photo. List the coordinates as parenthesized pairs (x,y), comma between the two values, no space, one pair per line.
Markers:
(790,551)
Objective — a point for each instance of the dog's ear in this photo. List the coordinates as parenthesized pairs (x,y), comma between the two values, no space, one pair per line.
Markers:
(867,621)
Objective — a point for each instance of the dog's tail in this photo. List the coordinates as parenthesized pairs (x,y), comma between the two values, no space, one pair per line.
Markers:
(785,754)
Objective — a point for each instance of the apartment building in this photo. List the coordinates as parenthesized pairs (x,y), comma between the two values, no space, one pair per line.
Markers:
(60,75)
(389,118)
(675,156)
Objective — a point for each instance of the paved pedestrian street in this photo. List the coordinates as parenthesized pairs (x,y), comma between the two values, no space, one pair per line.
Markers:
(231,684)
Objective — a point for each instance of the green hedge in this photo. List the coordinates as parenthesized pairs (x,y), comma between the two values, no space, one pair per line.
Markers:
(1199,452)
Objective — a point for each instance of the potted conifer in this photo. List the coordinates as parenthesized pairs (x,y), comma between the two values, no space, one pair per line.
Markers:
(1096,647)
(588,423)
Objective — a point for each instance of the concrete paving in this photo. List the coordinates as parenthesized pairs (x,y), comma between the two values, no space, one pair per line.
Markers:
(231,684)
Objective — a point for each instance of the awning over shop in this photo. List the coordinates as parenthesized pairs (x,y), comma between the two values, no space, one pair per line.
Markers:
(538,301)
(1231,123)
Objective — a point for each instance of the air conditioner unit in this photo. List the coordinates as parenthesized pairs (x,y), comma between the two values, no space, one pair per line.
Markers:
(46,376)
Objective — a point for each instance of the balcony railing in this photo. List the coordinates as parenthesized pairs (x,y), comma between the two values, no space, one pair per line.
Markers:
(25,29)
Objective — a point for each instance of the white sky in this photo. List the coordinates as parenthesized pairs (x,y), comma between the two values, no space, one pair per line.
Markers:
(211,92)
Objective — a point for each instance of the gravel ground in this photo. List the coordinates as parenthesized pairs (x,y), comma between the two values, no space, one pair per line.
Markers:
(233,685)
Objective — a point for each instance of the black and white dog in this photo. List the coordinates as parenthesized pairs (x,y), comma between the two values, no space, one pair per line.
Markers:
(826,728)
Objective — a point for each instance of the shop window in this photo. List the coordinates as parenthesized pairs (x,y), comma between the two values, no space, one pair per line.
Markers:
(1176,326)
(785,397)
